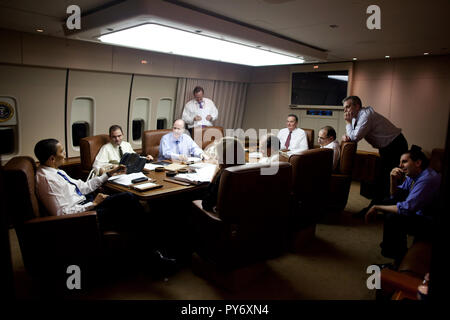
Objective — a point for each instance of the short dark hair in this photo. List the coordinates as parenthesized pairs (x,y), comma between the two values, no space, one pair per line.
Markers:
(198,89)
(330,131)
(113,128)
(355,100)
(44,149)
(416,153)
(293,115)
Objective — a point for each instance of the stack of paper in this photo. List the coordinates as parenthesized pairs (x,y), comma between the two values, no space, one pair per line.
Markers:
(125,179)
(202,175)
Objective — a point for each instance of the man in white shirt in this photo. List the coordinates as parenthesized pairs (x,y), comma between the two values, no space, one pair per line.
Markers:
(381,134)
(61,195)
(200,111)
(177,145)
(112,152)
(292,139)
(327,139)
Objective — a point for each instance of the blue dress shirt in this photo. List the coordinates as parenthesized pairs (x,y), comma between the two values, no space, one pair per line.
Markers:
(422,193)
(170,148)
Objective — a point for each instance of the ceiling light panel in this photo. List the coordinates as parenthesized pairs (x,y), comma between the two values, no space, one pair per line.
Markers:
(160,38)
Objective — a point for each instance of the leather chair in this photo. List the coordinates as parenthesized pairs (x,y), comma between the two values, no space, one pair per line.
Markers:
(341,179)
(250,223)
(207,135)
(151,141)
(311,175)
(310,137)
(49,244)
(89,148)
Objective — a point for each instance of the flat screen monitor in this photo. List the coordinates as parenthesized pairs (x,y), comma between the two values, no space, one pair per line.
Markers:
(321,88)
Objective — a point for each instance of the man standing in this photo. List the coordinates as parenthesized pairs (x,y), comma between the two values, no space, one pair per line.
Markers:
(177,145)
(112,152)
(381,134)
(200,111)
(327,139)
(292,139)
(414,195)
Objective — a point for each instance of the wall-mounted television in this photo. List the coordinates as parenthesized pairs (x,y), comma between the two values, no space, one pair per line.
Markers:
(321,86)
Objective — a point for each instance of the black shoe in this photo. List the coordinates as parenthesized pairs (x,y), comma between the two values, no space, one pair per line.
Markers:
(361,214)
(163,265)
(390,266)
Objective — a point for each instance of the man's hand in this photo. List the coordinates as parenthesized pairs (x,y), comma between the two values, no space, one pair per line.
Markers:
(197,118)
(397,174)
(204,156)
(371,214)
(208,117)
(99,199)
(149,157)
(348,117)
(345,138)
(120,169)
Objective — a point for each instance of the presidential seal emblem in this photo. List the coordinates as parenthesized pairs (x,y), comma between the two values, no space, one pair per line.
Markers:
(6,111)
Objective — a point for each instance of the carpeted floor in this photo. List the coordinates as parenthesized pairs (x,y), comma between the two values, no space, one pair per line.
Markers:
(332,266)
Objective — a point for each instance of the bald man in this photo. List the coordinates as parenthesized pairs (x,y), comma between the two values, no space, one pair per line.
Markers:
(177,145)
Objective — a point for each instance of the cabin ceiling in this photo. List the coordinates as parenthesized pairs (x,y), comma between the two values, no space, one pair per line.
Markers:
(331,30)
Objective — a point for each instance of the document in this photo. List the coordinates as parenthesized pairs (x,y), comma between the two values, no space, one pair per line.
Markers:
(201,175)
(125,179)
(151,166)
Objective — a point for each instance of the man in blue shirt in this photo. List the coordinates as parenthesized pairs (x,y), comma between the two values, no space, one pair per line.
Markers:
(414,194)
(177,145)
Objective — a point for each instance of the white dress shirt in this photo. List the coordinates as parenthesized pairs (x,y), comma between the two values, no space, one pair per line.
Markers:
(59,196)
(336,152)
(192,109)
(109,152)
(298,142)
(376,129)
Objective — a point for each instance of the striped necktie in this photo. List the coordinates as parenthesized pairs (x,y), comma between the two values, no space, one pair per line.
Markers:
(67,179)
(200,103)
(120,152)
(288,140)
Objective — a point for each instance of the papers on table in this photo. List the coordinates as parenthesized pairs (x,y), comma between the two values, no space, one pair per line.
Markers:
(125,179)
(193,160)
(203,174)
(255,155)
(146,186)
(151,166)
(175,166)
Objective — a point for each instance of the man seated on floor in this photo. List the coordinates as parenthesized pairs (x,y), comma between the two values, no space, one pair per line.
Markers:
(177,145)
(327,139)
(112,152)
(414,194)
(61,195)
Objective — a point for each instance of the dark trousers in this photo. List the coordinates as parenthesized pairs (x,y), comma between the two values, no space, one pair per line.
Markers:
(396,229)
(123,213)
(389,159)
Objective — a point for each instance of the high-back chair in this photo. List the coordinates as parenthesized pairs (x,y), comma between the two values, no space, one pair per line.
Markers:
(89,148)
(310,137)
(341,179)
(251,220)
(151,140)
(311,174)
(206,135)
(49,244)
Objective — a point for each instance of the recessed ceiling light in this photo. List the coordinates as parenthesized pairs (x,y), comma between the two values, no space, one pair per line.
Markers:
(160,38)
(39,30)
(426,53)
(355,58)
(387,57)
